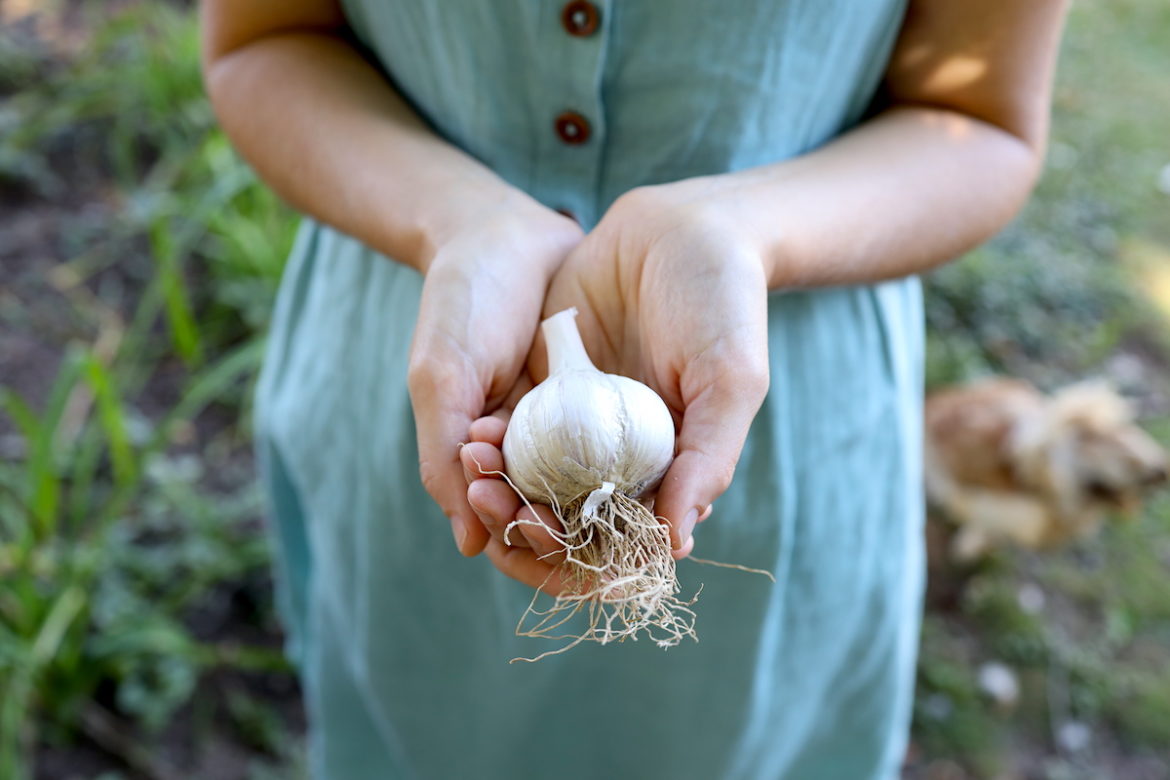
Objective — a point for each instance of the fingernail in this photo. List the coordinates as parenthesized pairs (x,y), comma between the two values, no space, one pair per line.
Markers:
(688,525)
(460,531)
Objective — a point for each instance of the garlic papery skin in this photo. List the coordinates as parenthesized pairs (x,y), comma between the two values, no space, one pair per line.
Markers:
(581,428)
(589,445)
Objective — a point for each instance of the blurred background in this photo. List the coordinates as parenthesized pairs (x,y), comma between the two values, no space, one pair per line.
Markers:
(138,262)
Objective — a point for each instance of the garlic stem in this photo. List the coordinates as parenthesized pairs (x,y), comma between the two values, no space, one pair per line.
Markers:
(563,342)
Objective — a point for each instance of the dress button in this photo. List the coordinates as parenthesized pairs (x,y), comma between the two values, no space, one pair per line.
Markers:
(580,18)
(572,128)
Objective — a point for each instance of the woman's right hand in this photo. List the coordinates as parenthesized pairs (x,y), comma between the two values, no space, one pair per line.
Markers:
(481,303)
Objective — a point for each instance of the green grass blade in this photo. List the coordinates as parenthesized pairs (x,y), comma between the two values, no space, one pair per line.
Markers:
(20,413)
(16,518)
(133,364)
(65,610)
(14,725)
(210,384)
(244,657)
(184,331)
(82,473)
(112,420)
(43,483)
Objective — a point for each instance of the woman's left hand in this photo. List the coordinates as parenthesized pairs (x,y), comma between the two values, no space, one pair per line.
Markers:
(671,292)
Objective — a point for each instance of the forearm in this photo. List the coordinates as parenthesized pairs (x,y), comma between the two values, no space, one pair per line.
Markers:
(942,170)
(910,189)
(327,133)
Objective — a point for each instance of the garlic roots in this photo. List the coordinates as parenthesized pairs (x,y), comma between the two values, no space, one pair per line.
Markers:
(589,445)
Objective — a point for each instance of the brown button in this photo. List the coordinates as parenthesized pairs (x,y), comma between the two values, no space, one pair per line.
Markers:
(572,128)
(580,18)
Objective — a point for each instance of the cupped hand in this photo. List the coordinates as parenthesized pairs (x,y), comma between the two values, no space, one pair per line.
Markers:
(671,292)
(480,307)
(520,546)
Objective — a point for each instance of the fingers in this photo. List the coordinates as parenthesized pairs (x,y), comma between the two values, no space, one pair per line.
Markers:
(492,499)
(531,554)
(440,427)
(490,429)
(512,523)
(686,549)
(481,459)
(525,565)
(538,522)
(714,427)
(497,504)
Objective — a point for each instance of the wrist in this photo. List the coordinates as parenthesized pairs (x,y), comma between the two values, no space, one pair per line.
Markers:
(746,207)
(505,225)
(708,211)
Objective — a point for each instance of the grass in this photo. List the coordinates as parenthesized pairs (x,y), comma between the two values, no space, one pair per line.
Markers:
(123,533)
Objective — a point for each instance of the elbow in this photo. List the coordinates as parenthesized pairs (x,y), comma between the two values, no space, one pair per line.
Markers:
(214,45)
(1020,164)
(212,71)
(230,33)
(215,57)
(1020,134)
(219,76)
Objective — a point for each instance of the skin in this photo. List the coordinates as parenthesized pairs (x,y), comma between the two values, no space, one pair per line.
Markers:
(322,127)
(671,285)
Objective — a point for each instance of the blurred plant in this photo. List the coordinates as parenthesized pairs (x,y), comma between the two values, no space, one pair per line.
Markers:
(133,104)
(108,540)
(1022,308)
(135,90)
(103,554)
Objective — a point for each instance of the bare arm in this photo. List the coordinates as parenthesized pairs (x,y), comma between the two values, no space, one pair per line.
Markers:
(672,284)
(329,134)
(945,167)
(326,131)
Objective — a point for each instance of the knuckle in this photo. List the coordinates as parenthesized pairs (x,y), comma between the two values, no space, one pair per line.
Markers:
(754,375)
(637,198)
(423,376)
(432,480)
(746,383)
(722,477)
(743,381)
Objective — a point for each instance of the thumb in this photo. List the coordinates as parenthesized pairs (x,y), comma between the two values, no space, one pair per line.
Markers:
(711,437)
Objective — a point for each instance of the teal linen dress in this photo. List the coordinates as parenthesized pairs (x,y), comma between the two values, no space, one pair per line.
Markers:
(403,644)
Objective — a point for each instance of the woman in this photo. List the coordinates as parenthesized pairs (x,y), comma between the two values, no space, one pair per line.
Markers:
(747,213)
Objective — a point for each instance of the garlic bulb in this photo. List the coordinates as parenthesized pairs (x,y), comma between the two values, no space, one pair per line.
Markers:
(581,429)
(590,445)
